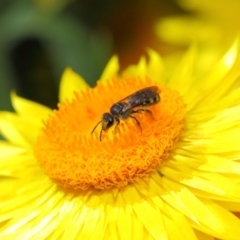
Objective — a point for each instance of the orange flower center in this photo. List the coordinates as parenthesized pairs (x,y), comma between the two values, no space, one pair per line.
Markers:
(75,158)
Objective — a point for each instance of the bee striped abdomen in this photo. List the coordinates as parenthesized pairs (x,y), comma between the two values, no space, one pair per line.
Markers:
(151,101)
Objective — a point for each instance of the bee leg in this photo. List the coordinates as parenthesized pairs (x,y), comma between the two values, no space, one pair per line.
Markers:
(138,123)
(100,136)
(117,123)
(141,110)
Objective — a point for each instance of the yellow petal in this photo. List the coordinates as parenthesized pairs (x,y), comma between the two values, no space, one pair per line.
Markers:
(10,185)
(214,185)
(207,163)
(70,205)
(184,30)
(182,199)
(219,80)
(230,206)
(72,227)
(125,219)
(231,99)
(71,82)
(177,225)
(80,211)
(16,207)
(28,129)
(203,236)
(224,120)
(112,215)
(220,143)
(110,70)
(182,79)
(29,109)
(34,219)
(138,70)
(8,151)
(48,221)
(149,215)
(226,224)
(10,132)
(155,66)
(100,223)
(90,221)
(10,156)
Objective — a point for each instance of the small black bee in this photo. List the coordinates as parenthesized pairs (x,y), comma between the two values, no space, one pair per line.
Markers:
(124,108)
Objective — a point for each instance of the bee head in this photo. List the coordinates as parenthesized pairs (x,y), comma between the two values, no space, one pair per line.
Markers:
(107,121)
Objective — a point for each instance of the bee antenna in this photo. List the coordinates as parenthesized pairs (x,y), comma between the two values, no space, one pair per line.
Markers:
(96,127)
(100,137)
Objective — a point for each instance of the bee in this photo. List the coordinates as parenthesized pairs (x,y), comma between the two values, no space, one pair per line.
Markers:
(126,108)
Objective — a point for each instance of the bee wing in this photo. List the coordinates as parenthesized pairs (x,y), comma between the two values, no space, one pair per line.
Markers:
(138,98)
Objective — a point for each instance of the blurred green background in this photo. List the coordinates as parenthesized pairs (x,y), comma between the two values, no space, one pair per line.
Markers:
(39,38)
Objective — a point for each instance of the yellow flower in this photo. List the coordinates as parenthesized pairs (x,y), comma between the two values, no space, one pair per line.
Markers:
(212,23)
(177,176)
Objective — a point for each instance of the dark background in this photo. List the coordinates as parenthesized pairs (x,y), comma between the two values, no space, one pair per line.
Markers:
(39,38)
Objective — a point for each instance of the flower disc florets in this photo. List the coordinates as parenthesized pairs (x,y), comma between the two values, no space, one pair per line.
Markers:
(72,156)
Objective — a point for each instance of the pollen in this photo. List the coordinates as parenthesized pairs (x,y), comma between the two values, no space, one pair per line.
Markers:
(74,158)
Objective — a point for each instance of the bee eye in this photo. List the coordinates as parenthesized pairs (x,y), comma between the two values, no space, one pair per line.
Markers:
(107,121)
